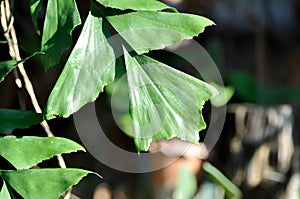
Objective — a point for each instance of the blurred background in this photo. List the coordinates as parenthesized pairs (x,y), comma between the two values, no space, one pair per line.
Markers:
(256,47)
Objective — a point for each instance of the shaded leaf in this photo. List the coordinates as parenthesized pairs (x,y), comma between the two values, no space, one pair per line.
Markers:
(60,20)
(164,102)
(145,31)
(89,68)
(4,194)
(7,66)
(245,85)
(3,42)
(248,89)
(43,183)
(35,8)
(231,190)
(26,152)
(13,119)
(278,94)
(225,94)
(186,183)
(150,5)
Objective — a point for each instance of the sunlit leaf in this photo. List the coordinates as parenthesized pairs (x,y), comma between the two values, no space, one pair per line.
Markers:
(35,8)
(7,66)
(225,94)
(145,31)
(26,152)
(43,183)
(150,5)
(13,119)
(60,20)
(164,102)
(4,194)
(89,68)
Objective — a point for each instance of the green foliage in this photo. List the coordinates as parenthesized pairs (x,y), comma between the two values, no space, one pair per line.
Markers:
(61,18)
(186,183)
(42,183)
(12,119)
(18,151)
(4,193)
(248,89)
(25,152)
(142,29)
(142,26)
(231,190)
(35,8)
(149,5)
(89,68)
(225,94)
(158,109)
(92,65)
(7,66)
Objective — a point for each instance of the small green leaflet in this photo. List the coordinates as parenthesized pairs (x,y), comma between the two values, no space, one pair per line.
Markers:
(150,5)
(43,183)
(232,191)
(35,8)
(13,119)
(225,94)
(145,31)
(60,20)
(186,183)
(4,194)
(164,102)
(19,151)
(7,66)
(89,68)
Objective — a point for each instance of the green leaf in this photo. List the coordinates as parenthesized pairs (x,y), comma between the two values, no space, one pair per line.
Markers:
(12,119)
(245,85)
(164,102)
(145,31)
(35,8)
(232,191)
(7,66)
(89,68)
(150,5)
(3,42)
(61,18)
(4,194)
(225,94)
(43,183)
(26,152)
(248,89)
(279,94)
(186,183)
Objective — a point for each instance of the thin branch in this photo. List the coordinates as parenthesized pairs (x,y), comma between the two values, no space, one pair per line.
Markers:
(10,35)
